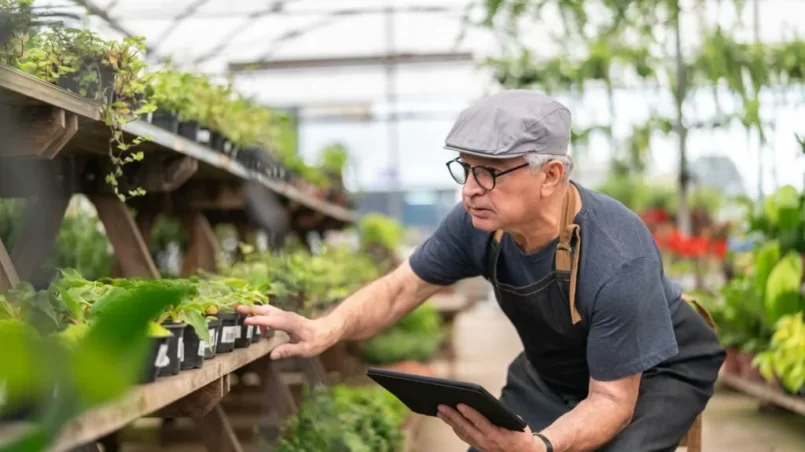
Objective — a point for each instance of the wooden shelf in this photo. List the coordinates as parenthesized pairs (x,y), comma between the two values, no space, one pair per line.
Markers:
(149,398)
(21,89)
(763,392)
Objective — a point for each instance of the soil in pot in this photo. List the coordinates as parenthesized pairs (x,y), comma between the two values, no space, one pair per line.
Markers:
(157,358)
(229,332)
(165,120)
(175,349)
(244,333)
(189,130)
(215,334)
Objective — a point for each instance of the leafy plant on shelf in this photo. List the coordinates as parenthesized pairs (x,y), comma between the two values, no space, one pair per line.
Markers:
(111,72)
(341,418)
(785,358)
(416,337)
(56,377)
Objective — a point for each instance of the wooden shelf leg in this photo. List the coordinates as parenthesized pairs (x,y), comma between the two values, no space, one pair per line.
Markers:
(217,432)
(130,247)
(275,393)
(204,249)
(8,274)
(314,371)
(41,222)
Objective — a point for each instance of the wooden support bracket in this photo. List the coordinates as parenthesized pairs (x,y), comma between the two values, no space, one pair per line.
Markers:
(164,174)
(204,249)
(46,130)
(41,222)
(198,403)
(217,432)
(8,274)
(130,247)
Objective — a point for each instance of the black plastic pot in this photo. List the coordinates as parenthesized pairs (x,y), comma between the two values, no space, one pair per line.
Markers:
(175,349)
(157,357)
(215,335)
(194,349)
(245,333)
(256,334)
(217,141)
(103,89)
(165,120)
(189,130)
(229,332)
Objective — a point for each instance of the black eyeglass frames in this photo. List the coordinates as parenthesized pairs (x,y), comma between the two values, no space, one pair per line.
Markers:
(485,177)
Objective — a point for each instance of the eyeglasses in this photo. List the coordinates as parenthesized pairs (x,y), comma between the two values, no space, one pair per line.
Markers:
(485,177)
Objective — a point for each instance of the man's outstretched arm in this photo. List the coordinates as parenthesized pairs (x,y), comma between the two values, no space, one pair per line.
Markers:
(380,304)
(363,314)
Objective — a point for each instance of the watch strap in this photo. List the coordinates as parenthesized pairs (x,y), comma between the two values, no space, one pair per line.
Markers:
(548,445)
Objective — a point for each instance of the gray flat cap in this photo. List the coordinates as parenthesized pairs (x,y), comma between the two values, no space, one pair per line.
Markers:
(511,123)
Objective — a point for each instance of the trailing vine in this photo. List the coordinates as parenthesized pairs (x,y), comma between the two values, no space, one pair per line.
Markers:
(110,72)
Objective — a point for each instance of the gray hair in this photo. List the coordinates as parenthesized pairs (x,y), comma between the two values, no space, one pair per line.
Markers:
(536,161)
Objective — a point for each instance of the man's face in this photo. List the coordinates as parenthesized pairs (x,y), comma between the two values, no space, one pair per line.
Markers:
(515,198)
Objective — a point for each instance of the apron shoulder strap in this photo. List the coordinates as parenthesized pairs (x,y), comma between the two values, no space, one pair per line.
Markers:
(566,259)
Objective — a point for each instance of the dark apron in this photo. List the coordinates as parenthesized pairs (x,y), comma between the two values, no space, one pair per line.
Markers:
(551,376)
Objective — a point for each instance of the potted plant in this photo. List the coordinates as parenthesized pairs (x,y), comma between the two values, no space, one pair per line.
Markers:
(16,20)
(783,364)
(157,357)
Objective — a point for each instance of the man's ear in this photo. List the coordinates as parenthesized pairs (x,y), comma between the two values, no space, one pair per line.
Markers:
(553,174)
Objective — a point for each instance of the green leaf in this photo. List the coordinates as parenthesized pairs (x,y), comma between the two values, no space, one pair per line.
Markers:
(765,259)
(198,322)
(783,288)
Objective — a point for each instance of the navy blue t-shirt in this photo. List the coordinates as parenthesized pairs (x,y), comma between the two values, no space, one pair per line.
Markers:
(622,291)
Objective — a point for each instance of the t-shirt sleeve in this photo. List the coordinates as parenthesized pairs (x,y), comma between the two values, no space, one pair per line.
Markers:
(631,328)
(451,253)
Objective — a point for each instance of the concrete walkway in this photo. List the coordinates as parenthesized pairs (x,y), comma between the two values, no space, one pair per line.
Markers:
(486,342)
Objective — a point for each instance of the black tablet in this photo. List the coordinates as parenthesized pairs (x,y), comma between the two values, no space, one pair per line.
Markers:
(424,394)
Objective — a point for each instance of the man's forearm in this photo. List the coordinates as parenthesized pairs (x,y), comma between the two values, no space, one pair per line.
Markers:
(379,305)
(590,425)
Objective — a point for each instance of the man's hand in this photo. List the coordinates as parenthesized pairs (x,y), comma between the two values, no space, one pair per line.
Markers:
(476,430)
(309,337)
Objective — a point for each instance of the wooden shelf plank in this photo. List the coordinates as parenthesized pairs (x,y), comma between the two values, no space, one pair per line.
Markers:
(20,88)
(149,398)
(764,393)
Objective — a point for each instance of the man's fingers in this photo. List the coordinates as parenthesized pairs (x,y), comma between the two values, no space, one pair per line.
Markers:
(258,310)
(278,320)
(477,419)
(289,351)
(457,421)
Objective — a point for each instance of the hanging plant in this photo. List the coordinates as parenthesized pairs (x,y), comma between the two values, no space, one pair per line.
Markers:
(16,20)
(110,72)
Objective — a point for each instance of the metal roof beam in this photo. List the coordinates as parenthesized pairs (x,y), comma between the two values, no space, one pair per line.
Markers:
(352,61)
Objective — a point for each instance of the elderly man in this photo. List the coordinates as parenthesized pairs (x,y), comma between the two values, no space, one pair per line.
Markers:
(613,358)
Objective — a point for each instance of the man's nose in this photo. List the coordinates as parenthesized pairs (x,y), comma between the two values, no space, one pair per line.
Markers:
(471,187)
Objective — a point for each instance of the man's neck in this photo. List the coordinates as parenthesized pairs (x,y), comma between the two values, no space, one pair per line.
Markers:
(536,234)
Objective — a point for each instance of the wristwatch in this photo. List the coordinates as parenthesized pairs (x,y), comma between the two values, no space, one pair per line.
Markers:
(548,445)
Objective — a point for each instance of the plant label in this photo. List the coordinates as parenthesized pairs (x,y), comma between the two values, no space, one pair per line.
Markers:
(228,334)
(162,359)
(249,331)
(202,347)
(239,333)
(181,349)
(213,336)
